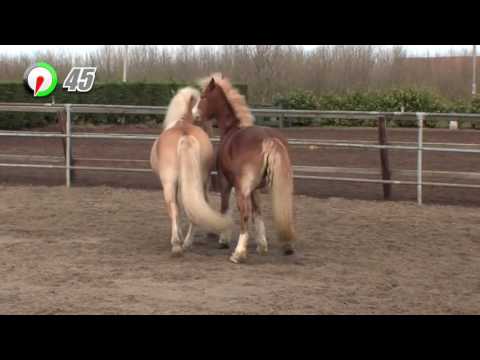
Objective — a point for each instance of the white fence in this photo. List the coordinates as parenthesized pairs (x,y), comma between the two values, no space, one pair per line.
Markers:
(71,109)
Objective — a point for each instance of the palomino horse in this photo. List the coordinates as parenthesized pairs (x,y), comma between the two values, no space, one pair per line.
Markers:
(249,158)
(182,157)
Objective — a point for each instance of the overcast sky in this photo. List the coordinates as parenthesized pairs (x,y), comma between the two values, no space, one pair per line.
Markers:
(31,49)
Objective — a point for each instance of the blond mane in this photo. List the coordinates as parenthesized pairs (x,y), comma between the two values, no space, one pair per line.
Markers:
(178,106)
(236,100)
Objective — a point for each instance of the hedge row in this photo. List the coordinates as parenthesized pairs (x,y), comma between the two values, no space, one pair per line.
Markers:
(410,99)
(154,94)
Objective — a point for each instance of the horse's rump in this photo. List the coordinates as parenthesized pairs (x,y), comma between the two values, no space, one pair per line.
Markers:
(253,157)
(244,147)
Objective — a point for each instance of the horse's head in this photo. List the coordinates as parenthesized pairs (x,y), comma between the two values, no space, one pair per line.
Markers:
(180,107)
(188,116)
(220,100)
(193,100)
(206,108)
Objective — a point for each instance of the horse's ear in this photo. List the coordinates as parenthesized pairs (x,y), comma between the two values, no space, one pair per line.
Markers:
(211,84)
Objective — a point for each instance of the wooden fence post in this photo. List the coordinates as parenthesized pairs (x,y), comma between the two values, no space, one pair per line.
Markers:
(62,124)
(386,175)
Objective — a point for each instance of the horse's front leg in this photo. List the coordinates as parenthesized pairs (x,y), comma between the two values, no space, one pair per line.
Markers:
(225,237)
(225,192)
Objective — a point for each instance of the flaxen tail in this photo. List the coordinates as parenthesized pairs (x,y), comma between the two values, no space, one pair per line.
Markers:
(280,179)
(192,193)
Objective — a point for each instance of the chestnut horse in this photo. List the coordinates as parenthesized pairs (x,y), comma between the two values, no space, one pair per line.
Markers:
(249,158)
(182,157)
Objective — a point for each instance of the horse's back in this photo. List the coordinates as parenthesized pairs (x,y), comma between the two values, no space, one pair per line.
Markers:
(249,140)
(254,134)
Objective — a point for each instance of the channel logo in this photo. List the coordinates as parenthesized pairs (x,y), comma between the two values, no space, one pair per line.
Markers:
(40,79)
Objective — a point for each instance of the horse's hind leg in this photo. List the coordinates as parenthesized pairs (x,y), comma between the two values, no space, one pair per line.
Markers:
(188,241)
(244,202)
(170,194)
(260,237)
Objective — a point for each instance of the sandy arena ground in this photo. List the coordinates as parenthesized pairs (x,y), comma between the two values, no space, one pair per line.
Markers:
(98,250)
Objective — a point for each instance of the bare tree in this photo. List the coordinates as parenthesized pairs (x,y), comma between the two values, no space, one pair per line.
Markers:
(267,69)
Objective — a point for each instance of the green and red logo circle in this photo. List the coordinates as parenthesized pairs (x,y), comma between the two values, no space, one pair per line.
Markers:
(40,79)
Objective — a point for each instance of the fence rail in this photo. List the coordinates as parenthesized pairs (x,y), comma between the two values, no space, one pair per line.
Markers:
(285,113)
(69,110)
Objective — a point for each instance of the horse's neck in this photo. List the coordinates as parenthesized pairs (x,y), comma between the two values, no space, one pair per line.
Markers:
(227,121)
(179,123)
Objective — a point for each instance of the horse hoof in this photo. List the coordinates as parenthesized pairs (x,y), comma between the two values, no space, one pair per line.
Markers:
(238,259)
(288,250)
(177,252)
(262,250)
(212,236)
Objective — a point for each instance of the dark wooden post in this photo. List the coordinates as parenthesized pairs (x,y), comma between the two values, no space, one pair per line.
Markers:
(62,124)
(386,175)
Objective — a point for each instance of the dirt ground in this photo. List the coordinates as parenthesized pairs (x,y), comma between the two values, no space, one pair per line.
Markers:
(136,153)
(101,250)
